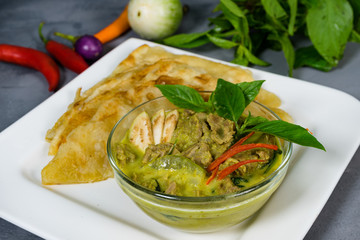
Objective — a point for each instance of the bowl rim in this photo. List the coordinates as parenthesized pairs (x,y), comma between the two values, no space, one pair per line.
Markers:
(164,196)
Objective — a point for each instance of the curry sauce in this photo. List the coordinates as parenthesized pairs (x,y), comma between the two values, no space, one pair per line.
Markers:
(179,166)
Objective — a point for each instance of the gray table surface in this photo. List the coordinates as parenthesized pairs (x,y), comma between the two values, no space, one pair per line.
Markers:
(22,89)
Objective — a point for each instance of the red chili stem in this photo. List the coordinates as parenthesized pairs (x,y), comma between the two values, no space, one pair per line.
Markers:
(32,58)
(237,149)
(64,54)
(226,171)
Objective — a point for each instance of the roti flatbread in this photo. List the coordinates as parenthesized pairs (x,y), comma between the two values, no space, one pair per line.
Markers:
(78,138)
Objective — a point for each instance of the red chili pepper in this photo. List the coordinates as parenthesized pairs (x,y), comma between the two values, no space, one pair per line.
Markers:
(64,54)
(234,149)
(235,166)
(34,59)
(241,141)
(237,149)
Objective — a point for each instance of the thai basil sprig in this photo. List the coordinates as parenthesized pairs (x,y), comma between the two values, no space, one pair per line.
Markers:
(229,101)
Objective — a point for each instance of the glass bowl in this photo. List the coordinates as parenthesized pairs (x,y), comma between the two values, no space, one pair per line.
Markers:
(196,214)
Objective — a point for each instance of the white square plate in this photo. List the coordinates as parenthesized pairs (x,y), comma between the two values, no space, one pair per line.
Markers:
(102,211)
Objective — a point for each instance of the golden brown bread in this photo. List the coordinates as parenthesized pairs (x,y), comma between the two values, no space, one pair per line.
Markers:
(78,138)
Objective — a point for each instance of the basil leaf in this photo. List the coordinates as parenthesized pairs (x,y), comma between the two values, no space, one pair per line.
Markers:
(196,43)
(289,52)
(231,17)
(251,121)
(291,132)
(237,18)
(182,39)
(274,13)
(287,48)
(228,100)
(233,8)
(241,60)
(223,43)
(250,90)
(253,59)
(221,24)
(293,10)
(226,34)
(273,9)
(184,97)
(308,56)
(210,102)
(329,24)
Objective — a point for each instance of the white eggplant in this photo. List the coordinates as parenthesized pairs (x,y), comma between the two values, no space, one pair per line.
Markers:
(140,132)
(155,19)
(171,120)
(157,122)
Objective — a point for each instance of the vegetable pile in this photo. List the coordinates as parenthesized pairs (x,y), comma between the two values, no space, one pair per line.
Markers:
(251,26)
(87,48)
(64,54)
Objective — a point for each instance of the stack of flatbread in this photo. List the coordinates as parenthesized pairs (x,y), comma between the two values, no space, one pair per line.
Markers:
(78,139)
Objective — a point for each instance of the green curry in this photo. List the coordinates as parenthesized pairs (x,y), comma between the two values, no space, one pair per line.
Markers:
(181,166)
(214,144)
(206,147)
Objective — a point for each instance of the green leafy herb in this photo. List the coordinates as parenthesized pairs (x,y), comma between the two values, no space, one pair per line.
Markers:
(252,26)
(273,9)
(308,56)
(229,101)
(293,10)
(286,46)
(223,43)
(251,121)
(191,40)
(233,8)
(239,181)
(288,131)
(250,90)
(184,97)
(329,24)
(251,57)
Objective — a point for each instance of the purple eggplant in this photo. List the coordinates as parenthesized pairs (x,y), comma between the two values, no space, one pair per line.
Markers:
(88,46)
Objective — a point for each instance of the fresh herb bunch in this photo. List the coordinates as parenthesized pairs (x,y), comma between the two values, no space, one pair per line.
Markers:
(251,26)
(229,101)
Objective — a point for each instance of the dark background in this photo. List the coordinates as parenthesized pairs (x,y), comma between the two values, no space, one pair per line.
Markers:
(22,89)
